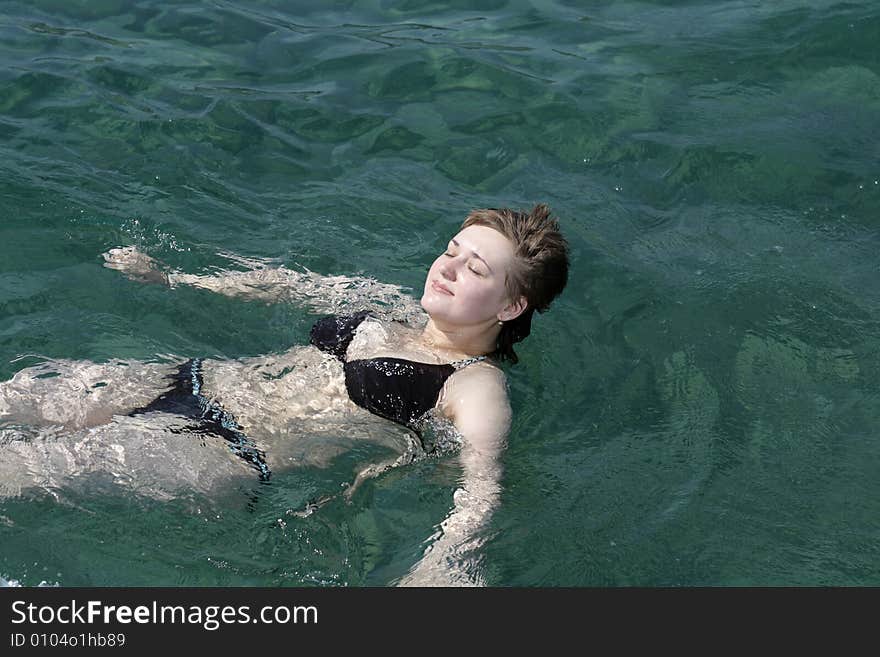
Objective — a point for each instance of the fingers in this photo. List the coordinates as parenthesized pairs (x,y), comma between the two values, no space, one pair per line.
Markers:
(122,254)
(134,264)
(114,264)
(128,256)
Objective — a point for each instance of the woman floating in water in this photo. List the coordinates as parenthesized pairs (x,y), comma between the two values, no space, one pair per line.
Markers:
(435,364)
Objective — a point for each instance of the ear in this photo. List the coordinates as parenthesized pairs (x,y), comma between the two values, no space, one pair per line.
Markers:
(513,310)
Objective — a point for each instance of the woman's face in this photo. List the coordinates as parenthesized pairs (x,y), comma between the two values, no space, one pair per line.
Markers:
(466,284)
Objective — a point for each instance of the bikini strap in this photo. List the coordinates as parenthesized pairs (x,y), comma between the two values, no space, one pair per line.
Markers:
(459,364)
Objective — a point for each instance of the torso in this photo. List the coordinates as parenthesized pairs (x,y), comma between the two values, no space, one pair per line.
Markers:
(374,343)
(294,405)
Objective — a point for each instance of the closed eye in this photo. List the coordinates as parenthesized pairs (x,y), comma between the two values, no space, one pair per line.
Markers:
(452,255)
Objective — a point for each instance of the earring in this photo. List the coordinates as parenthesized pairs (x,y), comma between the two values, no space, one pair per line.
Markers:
(500,323)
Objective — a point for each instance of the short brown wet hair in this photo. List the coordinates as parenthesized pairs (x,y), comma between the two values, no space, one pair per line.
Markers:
(540,266)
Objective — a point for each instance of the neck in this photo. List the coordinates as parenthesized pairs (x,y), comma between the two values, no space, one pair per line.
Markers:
(475,340)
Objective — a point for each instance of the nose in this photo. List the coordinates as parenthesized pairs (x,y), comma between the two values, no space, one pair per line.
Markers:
(447,268)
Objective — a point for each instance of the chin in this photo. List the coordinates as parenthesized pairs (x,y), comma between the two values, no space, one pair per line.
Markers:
(429,303)
(433,305)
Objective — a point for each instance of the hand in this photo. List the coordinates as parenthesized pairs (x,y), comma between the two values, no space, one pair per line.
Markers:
(135,265)
(444,566)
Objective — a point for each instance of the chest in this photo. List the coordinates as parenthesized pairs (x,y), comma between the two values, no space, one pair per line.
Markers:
(374,339)
(387,373)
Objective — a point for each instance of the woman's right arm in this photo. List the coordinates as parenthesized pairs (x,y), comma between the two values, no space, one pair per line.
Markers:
(320,294)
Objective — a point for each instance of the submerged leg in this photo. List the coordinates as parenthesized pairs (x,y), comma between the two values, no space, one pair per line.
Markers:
(151,456)
(80,394)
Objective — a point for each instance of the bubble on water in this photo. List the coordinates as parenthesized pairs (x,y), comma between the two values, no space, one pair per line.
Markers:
(150,238)
(14,583)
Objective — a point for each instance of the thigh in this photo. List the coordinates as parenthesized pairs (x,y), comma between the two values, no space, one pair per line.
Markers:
(152,455)
(78,394)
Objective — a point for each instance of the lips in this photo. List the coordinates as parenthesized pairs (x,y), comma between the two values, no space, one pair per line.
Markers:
(442,289)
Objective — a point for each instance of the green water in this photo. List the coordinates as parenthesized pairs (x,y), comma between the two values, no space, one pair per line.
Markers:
(701,405)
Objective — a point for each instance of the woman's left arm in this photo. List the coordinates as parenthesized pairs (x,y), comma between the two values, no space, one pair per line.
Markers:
(480,410)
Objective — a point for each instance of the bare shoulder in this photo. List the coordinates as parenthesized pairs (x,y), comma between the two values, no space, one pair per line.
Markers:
(484,378)
(475,399)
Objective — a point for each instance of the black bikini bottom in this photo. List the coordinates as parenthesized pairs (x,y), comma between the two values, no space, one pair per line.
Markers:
(186,399)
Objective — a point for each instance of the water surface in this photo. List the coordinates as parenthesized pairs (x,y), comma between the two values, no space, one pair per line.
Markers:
(699,408)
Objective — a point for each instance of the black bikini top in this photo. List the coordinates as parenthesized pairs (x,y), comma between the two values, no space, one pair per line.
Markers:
(394,388)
